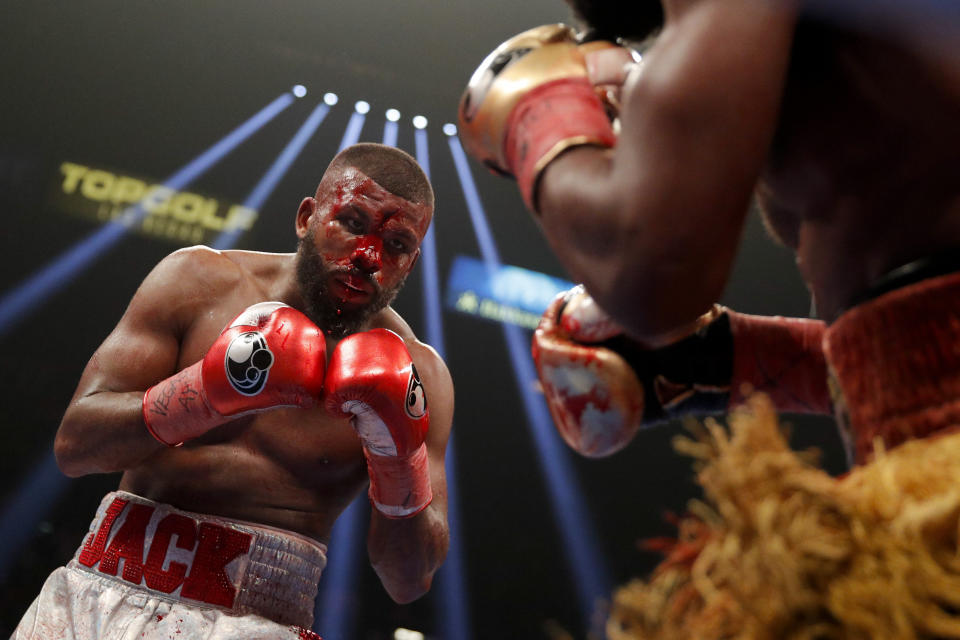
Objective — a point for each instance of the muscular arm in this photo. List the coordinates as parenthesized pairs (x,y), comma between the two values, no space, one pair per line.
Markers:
(406,553)
(103,429)
(651,227)
(713,366)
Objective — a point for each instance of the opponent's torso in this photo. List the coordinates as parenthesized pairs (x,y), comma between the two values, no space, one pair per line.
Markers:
(291,468)
(862,176)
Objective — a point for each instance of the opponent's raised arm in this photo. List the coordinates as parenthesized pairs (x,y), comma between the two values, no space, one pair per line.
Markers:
(649,224)
(400,401)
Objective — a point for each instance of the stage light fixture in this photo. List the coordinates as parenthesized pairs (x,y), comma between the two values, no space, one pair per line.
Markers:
(362,107)
(393,115)
(352,133)
(330,98)
(450,129)
(419,122)
(299,90)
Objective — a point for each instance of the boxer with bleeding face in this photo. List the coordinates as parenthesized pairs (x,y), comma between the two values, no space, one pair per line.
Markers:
(357,244)
(245,399)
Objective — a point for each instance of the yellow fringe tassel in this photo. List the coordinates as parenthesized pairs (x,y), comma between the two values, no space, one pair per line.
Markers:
(783,551)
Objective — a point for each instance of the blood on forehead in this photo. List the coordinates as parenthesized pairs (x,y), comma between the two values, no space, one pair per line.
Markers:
(354,188)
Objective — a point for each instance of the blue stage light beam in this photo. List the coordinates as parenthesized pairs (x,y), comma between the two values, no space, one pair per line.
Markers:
(19,303)
(265,186)
(334,610)
(334,614)
(579,542)
(40,491)
(355,125)
(451,582)
(26,508)
(428,260)
(391,127)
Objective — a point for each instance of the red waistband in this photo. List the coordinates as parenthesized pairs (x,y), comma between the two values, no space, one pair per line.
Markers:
(895,361)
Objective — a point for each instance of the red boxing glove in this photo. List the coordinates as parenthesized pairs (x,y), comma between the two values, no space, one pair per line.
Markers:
(371,380)
(270,356)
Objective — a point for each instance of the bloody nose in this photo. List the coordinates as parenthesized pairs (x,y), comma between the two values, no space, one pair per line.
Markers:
(367,255)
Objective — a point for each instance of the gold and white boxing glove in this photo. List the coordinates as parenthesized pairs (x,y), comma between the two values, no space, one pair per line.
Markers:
(531,100)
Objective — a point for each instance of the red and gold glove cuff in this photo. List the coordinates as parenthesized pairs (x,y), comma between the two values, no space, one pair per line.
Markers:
(549,120)
(176,409)
(399,485)
(782,357)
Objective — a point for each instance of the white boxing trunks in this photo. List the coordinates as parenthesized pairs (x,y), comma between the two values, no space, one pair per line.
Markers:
(149,571)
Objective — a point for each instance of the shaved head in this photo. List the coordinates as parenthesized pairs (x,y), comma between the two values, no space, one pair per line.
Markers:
(393,169)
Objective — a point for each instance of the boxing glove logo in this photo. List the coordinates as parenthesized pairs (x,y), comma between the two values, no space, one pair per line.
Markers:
(248,363)
(416,403)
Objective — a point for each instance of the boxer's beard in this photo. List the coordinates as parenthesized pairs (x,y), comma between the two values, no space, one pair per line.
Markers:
(322,307)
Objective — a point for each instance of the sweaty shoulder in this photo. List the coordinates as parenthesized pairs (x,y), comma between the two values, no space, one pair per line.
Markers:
(423,354)
(184,283)
(195,270)
(211,272)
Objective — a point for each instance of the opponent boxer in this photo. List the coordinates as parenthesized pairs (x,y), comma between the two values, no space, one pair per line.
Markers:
(248,398)
(847,137)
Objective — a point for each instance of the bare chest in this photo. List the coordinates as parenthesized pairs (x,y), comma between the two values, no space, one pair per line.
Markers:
(286,467)
(292,468)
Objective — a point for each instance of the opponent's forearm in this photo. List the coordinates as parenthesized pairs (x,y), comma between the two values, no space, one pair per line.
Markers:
(103,432)
(667,204)
(406,553)
(708,368)
(650,271)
